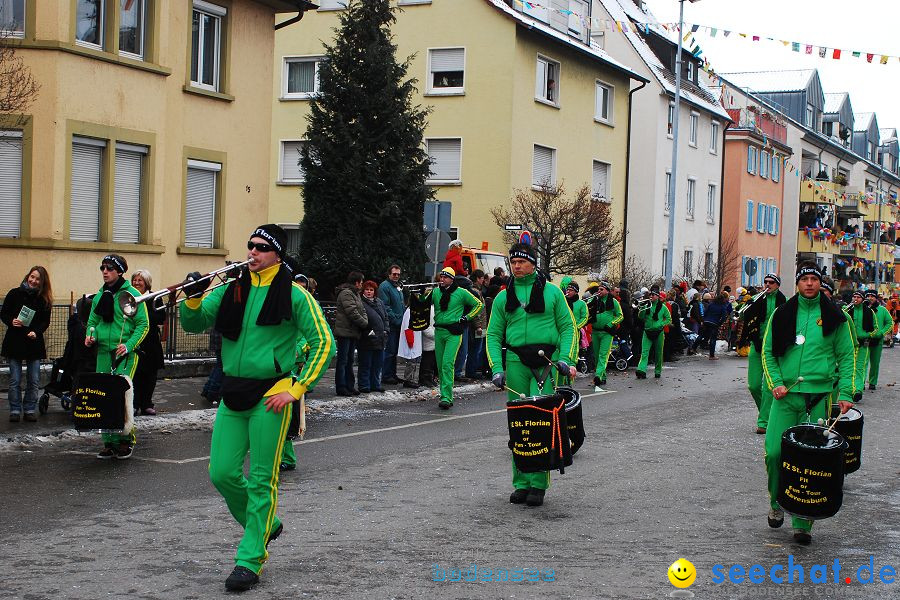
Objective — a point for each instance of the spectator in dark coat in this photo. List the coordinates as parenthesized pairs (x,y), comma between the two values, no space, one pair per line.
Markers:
(370,347)
(391,295)
(715,314)
(350,322)
(26,313)
(150,349)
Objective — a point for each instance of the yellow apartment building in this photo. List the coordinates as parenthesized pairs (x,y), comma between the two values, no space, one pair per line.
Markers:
(149,136)
(517,99)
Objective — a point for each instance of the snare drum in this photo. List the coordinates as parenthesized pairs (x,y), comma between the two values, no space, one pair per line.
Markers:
(850,425)
(537,433)
(574,420)
(101,402)
(812,472)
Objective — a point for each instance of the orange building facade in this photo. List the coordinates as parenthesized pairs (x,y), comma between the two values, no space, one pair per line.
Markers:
(753,196)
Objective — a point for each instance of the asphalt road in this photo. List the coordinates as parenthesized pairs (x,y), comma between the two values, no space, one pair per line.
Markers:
(388,498)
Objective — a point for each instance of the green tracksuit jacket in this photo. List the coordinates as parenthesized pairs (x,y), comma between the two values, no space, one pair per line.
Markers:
(462,302)
(884,323)
(651,323)
(131,331)
(609,318)
(580,313)
(446,344)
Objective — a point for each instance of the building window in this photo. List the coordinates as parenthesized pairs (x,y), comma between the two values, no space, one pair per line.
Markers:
(810,116)
(86,189)
(667,192)
(301,77)
(12,17)
(688,264)
(870,150)
(547,80)
(760,271)
(764,164)
(749,215)
(333,4)
(446,70)
(291,171)
(128,193)
(665,259)
(671,122)
(762,212)
(89,22)
(543,172)
(603,110)
(691,197)
(131,28)
(711,203)
(776,168)
(752,154)
(206,44)
(774,214)
(446,160)
(708,266)
(10,183)
(600,181)
(714,137)
(695,125)
(200,204)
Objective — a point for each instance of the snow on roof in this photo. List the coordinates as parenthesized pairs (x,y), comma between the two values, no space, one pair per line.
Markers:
(592,50)
(771,81)
(699,95)
(834,101)
(887,134)
(862,121)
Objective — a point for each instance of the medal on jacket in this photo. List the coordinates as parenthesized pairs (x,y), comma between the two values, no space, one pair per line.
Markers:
(800,339)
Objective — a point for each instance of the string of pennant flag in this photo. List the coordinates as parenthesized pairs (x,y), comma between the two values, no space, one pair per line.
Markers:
(596,23)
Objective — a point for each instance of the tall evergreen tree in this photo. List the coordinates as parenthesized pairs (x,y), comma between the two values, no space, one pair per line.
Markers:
(364,161)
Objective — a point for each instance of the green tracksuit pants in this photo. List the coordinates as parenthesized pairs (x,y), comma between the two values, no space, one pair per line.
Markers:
(126,367)
(657,349)
(875,361)
(602,346)
(288,456)
(859,373)
(252,500)
(446,347)
(762,395)
(520,378)
(785,413)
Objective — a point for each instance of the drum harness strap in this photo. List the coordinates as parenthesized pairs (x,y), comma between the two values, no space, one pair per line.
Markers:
(557,431)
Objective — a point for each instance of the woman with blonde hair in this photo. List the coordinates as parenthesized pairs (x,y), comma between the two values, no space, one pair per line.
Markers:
(26,313)
(150,349)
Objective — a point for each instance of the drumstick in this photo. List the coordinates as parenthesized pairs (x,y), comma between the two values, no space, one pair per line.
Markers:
(519,394)
(91,335)
(836,419)
(799,380)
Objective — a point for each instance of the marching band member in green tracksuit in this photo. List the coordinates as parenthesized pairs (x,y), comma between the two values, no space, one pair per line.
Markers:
(807,338)
(756,317)
(453,308)
(579,310)
(262,315)
(605,315)
(863,319)
(655,316)
(884,324)
(116,337)
(529,316)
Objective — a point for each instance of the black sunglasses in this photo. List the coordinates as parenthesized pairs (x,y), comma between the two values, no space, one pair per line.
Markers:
(260,247)
(107,268)
(772,281)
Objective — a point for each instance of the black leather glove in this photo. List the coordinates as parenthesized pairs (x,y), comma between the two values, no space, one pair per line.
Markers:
(499,380)
(463,320)
(195,288)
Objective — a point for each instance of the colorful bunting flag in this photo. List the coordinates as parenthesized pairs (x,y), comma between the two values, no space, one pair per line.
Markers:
(836,55)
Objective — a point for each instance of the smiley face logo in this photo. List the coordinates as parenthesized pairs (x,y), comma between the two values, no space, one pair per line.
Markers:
(682,573)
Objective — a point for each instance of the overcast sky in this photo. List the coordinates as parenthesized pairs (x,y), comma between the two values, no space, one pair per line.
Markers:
(851,25)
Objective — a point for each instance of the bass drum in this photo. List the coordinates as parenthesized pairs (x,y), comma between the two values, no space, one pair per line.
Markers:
(537,433)
(812,472)
(574,420)
(850,425)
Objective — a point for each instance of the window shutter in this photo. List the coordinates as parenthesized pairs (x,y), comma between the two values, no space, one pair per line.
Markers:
(761,218)
(448,59)
(749,215)
(446,157)
(542,167)
(200,208)
(290,161)
(10,186)
(127,197)
(84,210)
(601,180)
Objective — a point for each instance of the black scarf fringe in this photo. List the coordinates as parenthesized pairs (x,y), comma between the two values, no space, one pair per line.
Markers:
(106,305)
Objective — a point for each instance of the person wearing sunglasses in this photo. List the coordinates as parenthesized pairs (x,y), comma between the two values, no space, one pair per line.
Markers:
(116,337)
(756,317)
(262,316)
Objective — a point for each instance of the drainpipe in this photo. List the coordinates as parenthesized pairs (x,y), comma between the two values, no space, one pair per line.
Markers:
(302,6)
(628,168)
(722,207)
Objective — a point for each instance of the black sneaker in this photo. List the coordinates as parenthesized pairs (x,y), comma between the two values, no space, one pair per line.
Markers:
(640,375)
(287,466)
(519,496)
(241,580)
(107,453)
(15,417)
(802,537)
(30,417)
(603,381)
(598,382)
(535,497)
(444,404)
(775,518)
(657,375)
(124,451)
(274,535)
(872,386)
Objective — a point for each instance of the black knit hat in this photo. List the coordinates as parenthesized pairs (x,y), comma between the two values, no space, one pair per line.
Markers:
(654,289)
(274,234)
(117,262)
(871,294)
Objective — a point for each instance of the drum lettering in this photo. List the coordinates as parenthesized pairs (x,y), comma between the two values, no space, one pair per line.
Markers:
(537,423)
(812,473)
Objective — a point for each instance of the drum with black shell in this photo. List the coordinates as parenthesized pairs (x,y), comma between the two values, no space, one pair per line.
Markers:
(101,402)
(812,471)
(537,433)
(574,420)
(850,425)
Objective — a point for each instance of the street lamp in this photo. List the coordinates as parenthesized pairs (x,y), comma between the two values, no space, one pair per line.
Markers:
(670,252)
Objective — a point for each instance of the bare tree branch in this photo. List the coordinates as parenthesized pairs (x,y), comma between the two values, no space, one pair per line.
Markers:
(18,88)
(572,235)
